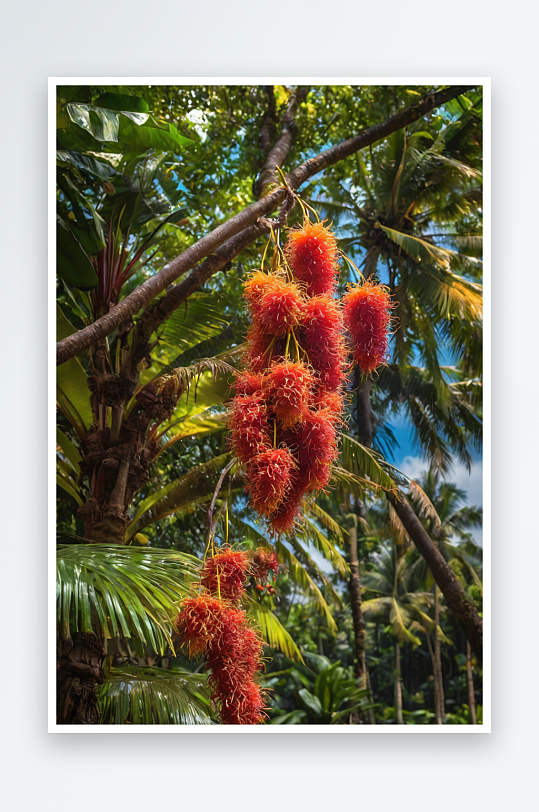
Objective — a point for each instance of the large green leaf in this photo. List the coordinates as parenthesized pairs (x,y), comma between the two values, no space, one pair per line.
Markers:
(195,321)
(122,591)
(153,696)
(368,464)
(73,395)
(72,262)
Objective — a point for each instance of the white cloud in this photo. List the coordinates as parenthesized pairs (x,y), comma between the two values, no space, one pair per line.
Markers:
(471,482)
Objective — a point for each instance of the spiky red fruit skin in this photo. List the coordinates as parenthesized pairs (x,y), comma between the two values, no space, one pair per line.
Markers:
(247,383)
(317,442)
(224,574)
(333,402)
(269,474)
(262,561)
(322,339)
(288,389)
(200,621)
(367,316)
(279,309)
(249,426)
(311,252)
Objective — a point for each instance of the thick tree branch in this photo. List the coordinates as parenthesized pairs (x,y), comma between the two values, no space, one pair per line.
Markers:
(460,604)
(142,296)
(277,155)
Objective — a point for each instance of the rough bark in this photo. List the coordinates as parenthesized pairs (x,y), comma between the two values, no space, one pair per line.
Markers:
(357,614)
(438,675)
(458,602)
(277,155)
(469,680)
(363,412)
(79,671)
(143,295)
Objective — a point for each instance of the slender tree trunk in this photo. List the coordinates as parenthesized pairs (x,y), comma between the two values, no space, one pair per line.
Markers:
(459,603)
(397,685)
(469,680)
(438,675)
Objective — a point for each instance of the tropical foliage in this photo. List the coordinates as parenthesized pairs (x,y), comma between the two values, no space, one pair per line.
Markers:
(147,481)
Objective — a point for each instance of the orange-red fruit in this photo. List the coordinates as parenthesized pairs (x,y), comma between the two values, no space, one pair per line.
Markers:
(200,621)
(322,339)
(317,442)
(256,286)
(224,574)
(262,561)
(247,383)
(311,252)
(288,389)
(279,309)
(249,426)
(269,475)
(367,314)
(332,401)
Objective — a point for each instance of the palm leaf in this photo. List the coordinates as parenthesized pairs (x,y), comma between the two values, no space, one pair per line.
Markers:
(122,591)
(426,509)
(272,630)
(153,696)
(311,532)
(300,576)
(369,464)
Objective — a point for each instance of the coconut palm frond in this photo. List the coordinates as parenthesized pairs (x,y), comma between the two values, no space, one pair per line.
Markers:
(324,518)
(369,464)
(122,591)
(272,630)
(324,546)
(426,509)
(300,576)
(154,696)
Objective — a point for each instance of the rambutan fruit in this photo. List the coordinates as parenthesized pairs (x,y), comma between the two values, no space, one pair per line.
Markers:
(247,383)
(249,426)
(256,286)
(279,309)
(317,449)
(287,387)
(246,708)
(367,316)
(262,561)
(199,622)
(269,474)
(311,252)
(322,339)
(284,520)
(333,402)
(224,574)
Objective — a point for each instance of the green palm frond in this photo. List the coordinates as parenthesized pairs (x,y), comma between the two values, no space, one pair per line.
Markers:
(191,489)
(324,518)
(368,464)
(300,576)
(272,630)
(311,532)
(122,591)
(153,696)
(426,509)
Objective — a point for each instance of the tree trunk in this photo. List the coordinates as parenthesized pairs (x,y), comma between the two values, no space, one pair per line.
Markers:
(459,603)
(439,700)
(397,685)
(469,679)
(79,672)
(363,411)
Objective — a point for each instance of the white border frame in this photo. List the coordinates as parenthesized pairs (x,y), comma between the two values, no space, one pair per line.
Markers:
(487,385)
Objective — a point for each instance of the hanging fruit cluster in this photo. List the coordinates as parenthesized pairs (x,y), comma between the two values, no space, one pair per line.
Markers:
(214,626)
(289,400)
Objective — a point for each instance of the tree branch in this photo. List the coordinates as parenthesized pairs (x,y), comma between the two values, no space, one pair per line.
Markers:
(69,347)
(277,155)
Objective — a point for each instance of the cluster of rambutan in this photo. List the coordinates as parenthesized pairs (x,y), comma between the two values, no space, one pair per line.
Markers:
(288,402)
(213,625)
(367,315)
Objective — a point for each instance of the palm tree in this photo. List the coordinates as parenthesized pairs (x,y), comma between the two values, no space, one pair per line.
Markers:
(398,600)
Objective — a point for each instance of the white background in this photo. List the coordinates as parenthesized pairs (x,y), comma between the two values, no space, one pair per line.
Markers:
(385,772)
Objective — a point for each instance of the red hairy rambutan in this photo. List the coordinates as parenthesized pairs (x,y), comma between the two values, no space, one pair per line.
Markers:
(247,383)
(257,285)
(322,340)
(317,449)
(287,387)
(249,426)
(262,561)
(224,574)
(279,309)
(246,708)
(332,401)
(367,314)
(200,621)
(270,473)
(311,252)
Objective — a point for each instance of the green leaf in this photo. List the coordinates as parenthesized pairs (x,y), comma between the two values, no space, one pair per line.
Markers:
(312,702)
(121,101)
(164,137)
(368,464)
(72,262)
(134,591)
(155,696)
(273,631)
